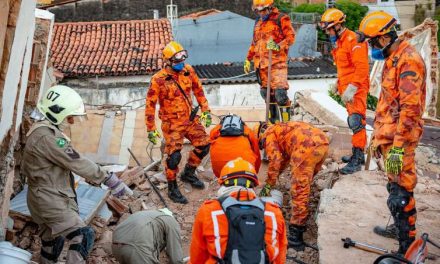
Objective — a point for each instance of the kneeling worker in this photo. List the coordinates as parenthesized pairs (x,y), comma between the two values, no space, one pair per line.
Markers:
(48,163)
(143,235)
(231,139)
(305,148)
(238,227)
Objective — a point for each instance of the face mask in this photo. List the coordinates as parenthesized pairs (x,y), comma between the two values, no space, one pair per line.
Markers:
(265,17)
(333,39)
(377,54)
(178,67)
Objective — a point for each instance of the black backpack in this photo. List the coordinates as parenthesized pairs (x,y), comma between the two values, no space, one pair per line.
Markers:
(232,126)
(246,227)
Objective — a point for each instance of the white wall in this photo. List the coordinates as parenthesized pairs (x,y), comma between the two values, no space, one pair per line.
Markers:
(18,66)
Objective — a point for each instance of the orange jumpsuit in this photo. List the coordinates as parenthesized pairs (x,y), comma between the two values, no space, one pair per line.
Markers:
(305,148)
(224,149)
(399,113)
(175,111)
(351,59)
(279,28)
(210,232)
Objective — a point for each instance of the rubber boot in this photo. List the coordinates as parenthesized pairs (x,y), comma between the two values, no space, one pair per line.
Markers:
(295,237)
(273,113)
(189,176)
(285,113)
(346,159)
(389,231)
(404,245)
(355,162)
(174,194)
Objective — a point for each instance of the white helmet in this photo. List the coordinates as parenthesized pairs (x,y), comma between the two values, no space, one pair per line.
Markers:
(59,102)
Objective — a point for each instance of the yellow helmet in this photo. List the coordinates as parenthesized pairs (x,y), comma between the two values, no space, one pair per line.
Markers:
(376,24)
(174,51)
(331,17)
(261,4)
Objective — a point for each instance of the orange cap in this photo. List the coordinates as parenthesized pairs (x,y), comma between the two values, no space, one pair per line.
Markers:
(261,4)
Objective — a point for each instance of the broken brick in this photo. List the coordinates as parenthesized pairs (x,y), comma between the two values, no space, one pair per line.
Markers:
(116,206)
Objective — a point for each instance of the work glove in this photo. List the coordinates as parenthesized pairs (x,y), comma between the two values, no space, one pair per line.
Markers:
(266,190)
(247,66)
(348,95)
(153,136)
(394,161)
(117,187)
(206,118)
(166,211)
(271,45)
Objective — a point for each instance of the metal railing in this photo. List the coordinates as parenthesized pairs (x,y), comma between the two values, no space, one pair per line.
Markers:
(305,18)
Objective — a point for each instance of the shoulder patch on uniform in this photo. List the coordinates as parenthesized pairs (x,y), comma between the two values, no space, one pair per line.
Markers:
(61,142)
(71,153)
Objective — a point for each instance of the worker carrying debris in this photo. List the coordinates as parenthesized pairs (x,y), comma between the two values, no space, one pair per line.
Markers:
(238,227)
(172,87)
(398,125)
(351,59)
(272,31)
(231,139)
(143,235)
(304,148)
(48,163)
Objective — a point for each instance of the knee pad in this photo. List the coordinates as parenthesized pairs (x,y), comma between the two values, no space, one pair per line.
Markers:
(263,93)
(173,160)
(202,151)
(86,245)
(281,97)
(398,199)
(57,247)
(355,122)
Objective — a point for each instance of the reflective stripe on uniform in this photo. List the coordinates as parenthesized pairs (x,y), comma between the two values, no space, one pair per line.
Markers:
(274,232)
(214,216)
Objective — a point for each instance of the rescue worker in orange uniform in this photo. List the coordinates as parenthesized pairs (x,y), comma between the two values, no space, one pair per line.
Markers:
(304,148)
(351,59)
(398,124)
(231,139)
(272,31)
(238,220)
(172,87)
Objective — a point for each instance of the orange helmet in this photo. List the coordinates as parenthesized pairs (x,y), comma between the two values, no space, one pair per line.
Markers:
(261,4)
(331,17)
(239,172)
(375,24)
(174,51)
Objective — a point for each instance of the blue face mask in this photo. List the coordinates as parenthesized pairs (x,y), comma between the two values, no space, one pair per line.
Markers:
(265,17)
(377,54)
(333,39)
(178,67)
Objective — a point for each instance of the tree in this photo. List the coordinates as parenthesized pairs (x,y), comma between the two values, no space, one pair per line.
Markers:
(354,12)
(283,6)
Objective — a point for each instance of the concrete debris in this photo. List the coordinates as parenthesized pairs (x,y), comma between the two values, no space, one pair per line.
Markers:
(116,205)
(160,177)
(133,176)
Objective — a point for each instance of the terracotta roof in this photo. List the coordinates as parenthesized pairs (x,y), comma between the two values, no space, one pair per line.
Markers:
(110,48)
(299,68)
(200,14)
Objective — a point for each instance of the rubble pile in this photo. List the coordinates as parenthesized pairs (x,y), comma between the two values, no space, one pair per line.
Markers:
(300,114)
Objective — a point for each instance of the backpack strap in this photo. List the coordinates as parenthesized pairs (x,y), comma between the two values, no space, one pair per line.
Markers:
(230,201)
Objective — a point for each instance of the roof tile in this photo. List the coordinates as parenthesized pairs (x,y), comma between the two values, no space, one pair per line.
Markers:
(110,47)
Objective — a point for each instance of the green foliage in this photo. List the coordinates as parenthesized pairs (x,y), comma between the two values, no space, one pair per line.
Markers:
(310,8)
(285,7)
(371,100)
(419,14)
(354,11)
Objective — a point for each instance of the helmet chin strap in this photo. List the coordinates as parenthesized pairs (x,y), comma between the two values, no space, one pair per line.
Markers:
(386,49)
